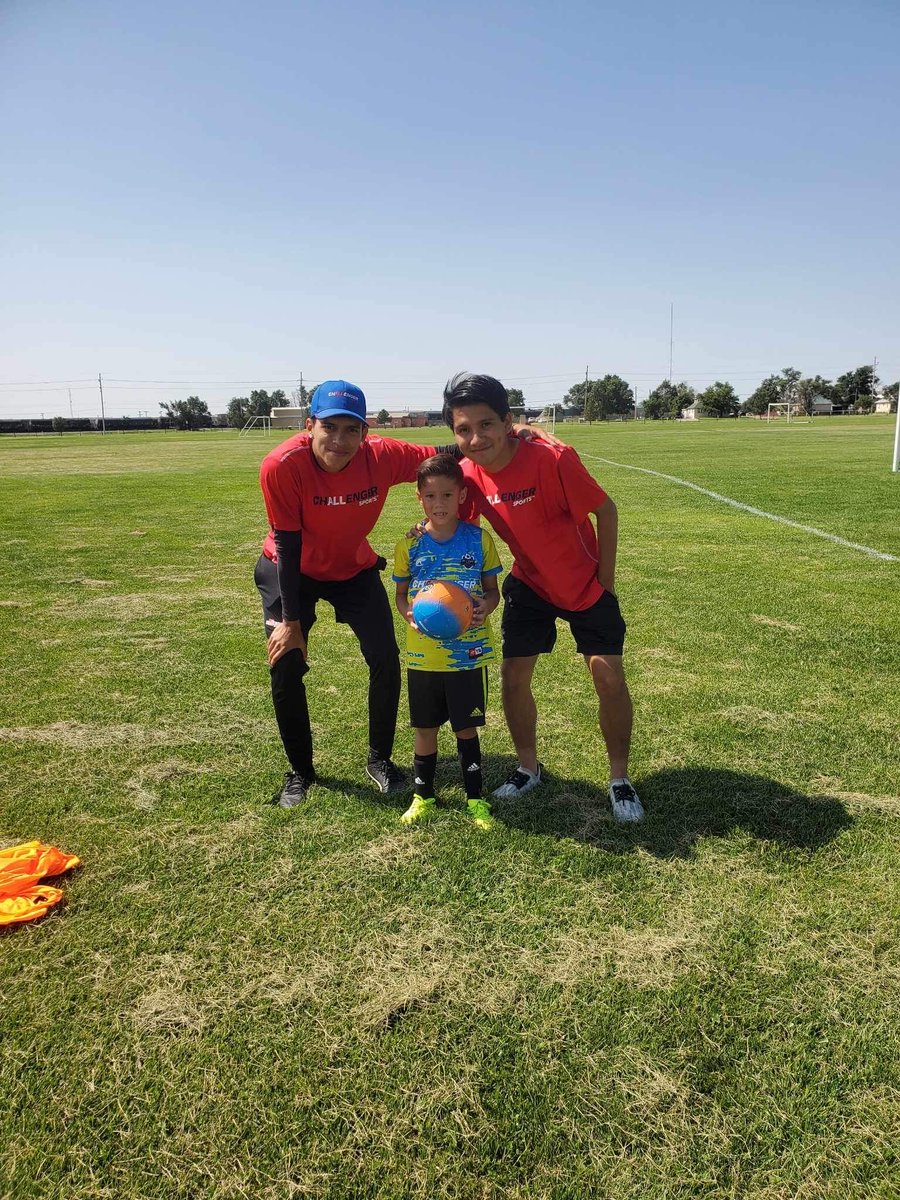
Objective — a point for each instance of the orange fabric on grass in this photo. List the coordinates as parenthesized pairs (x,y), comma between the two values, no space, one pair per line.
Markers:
(21,869)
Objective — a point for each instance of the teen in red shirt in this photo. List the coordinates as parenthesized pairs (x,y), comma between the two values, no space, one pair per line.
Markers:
(324,490)
(540,499)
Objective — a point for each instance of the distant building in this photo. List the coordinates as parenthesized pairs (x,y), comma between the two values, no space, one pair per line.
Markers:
(692,411)
(821,406)
(401,420)
(885,404)
(288,418)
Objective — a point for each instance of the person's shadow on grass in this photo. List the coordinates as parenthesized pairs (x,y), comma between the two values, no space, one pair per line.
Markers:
(683,805)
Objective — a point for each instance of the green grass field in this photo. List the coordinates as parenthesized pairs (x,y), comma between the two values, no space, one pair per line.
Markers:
(239,1001)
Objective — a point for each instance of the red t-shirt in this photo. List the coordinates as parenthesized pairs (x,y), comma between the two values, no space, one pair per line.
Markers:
(539,504)
(334,512)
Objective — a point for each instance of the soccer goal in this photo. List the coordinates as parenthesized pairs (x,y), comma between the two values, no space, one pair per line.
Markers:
(258,424)
(548,418)
(780,404)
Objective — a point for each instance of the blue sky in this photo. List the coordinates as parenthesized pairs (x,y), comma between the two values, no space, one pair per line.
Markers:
(225,195)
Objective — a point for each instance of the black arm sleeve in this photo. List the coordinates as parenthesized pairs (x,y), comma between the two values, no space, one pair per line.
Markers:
(288,544)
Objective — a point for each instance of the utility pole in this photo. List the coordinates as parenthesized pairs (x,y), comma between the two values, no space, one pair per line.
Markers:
(671,336)
(70,401)
(102,409)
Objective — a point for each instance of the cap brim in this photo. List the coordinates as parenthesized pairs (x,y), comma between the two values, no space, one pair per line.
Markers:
(340,412)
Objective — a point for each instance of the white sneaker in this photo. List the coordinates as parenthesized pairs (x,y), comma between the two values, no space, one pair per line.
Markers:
(520,782)
(626,804)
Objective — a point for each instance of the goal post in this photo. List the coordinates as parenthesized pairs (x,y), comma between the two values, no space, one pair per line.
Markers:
(779,405)
(548,417)
(258,424)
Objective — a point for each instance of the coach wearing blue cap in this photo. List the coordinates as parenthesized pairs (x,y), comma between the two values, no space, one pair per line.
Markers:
(324,490)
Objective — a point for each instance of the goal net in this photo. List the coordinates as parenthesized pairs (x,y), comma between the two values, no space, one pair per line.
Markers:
(781,405)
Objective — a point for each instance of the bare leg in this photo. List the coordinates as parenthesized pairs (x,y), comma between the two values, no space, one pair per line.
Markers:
(425,741)
(520,709)
(616,715)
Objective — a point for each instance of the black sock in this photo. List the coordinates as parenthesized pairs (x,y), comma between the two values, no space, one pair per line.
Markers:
(424,767)
(470,761)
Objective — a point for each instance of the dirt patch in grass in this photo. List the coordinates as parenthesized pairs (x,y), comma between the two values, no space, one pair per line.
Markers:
(113,609)
(646,957)
(657,654)
(748,714)
(143,799)
(137,606)
(75,735)
(385,853)
(650,1089)
(775,623)
(286,984)
(167,1004)
(78,735)
(826,785)
(142,787)
(402,971)
(167,1009)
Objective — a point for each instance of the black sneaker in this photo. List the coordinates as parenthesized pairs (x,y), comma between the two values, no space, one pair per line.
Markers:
(387,775)
(294,790)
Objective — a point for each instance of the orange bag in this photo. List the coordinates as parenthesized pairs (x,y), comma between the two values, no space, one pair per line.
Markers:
(21,868)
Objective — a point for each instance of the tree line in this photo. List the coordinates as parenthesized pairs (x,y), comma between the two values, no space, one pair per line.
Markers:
(193,413)
(611,396)
(601,399)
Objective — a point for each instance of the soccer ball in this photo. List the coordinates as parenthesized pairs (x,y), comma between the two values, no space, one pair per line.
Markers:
(442,610)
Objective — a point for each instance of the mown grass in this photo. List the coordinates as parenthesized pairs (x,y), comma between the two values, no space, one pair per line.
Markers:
(243,1002)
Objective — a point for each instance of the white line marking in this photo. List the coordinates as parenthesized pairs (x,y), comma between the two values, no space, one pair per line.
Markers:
(757,512)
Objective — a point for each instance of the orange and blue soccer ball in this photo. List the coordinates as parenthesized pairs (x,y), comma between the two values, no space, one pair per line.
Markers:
(442,610)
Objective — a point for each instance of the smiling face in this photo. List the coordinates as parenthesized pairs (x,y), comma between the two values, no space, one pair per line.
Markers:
(335,440)
(440,498)
(483,436)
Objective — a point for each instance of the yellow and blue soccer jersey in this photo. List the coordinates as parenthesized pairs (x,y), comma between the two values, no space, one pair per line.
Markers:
(468,555)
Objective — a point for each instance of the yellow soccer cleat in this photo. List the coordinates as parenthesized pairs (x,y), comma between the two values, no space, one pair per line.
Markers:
(421,809)
(480,812)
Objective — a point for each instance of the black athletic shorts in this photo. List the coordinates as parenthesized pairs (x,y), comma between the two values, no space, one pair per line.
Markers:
(459,697)
(529,623)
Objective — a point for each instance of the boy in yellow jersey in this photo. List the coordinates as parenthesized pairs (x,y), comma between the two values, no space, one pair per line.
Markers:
(447,679)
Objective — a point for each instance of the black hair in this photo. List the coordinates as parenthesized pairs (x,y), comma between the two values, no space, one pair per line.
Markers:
(466,388)
(444,466)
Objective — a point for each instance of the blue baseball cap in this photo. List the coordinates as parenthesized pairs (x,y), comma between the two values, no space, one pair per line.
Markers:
(338,398)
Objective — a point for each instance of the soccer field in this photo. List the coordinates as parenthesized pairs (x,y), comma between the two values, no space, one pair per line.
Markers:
(240,1001)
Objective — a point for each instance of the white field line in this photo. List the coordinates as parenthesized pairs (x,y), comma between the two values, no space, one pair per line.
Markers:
(757,512)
